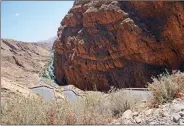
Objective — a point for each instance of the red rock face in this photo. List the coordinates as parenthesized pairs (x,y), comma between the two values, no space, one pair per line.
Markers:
(117,43)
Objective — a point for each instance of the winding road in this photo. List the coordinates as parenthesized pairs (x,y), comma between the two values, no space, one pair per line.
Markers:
(48,93)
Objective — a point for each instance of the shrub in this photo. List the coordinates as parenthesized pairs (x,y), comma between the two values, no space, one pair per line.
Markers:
(94,108)
(118,101)
(23,111)
(36,111)
(166,87)
(90,111)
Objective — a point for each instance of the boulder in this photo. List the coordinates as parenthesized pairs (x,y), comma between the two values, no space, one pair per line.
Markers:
(127,114)
(118,43)
(176,117)
(182,113)
(138,120)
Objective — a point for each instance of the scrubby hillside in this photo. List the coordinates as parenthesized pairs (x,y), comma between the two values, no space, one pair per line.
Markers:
(21,60)
(114,107)
(22,65)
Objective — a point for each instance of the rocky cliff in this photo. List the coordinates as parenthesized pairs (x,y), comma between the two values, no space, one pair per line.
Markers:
(116,43)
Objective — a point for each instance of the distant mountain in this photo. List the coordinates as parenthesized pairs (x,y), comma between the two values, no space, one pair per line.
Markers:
(50,40)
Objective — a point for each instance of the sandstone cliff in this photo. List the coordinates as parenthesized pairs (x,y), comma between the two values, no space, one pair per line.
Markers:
(117,43)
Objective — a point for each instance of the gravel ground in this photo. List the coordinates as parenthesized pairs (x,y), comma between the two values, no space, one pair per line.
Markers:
(169,113)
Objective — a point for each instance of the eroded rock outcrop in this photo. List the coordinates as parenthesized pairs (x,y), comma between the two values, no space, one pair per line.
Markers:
(117,43)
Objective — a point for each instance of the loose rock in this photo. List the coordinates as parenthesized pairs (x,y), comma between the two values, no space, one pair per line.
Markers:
(138,120)
(177,108)
(148,112)
(164,115)
(176,117)
(182,113)
(127,114)
(135,113)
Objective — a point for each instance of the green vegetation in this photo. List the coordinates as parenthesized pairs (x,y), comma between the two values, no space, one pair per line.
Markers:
(166,87)
(49,68)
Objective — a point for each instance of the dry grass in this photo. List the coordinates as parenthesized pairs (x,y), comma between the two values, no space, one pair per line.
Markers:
(94,108)
(119,101)
(166,87)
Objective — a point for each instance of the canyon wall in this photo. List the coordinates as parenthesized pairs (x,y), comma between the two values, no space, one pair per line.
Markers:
(117,43)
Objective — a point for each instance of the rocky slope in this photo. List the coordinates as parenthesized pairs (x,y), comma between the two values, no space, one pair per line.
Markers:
(169,113)
(116,43)
(21,67)
(20,60)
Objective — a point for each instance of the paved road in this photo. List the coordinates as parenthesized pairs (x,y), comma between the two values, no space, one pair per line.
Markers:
(45,92)
(143,94)
(48,93)
(71,95)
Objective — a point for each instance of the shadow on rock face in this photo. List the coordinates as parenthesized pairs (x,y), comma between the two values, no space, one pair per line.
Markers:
(117,43)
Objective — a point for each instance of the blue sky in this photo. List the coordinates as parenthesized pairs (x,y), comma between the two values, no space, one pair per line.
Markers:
(31,21)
